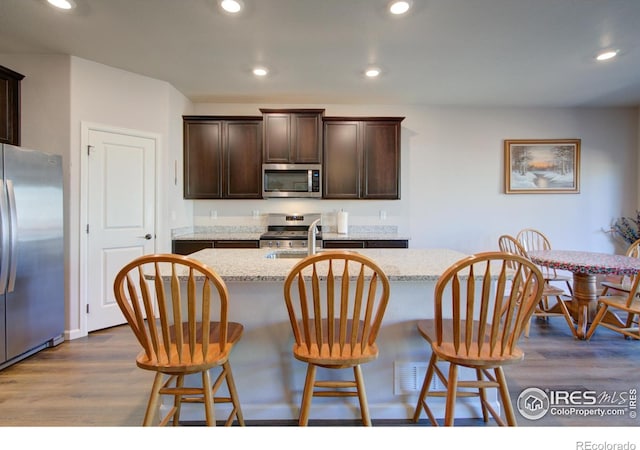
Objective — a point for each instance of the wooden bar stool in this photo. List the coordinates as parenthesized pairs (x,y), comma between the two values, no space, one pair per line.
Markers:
(336,301)
(480,313)
(191,335)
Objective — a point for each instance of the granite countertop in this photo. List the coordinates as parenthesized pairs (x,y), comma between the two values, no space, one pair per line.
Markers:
(247,236)
(253,232)
(220,236)
(398,264)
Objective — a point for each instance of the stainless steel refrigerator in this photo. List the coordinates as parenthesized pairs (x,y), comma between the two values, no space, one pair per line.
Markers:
(31,253)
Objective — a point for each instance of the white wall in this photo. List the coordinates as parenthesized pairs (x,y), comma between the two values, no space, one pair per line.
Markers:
(179,211)
(452,176)
(462,204)
(104,95)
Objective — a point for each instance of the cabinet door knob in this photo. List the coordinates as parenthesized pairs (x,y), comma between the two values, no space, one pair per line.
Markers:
(146,236)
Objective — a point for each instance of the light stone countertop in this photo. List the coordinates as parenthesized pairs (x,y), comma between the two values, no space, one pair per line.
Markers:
(219,236)
(398,264)
(238,233)
(239,236)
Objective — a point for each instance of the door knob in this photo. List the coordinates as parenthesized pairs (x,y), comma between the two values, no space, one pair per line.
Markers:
(146,236)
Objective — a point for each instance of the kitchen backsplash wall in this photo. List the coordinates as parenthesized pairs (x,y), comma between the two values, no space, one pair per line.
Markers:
(224,217)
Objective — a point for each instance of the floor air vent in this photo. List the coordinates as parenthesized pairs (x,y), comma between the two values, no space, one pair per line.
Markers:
(408,377)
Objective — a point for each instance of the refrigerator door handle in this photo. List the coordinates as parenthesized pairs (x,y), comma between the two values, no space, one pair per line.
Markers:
(4,239)
(13,215)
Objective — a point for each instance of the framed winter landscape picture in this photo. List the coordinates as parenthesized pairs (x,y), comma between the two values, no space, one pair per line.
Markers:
(538,166)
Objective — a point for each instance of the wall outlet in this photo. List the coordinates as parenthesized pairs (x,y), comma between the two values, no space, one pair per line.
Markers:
(383,215)
(213,214)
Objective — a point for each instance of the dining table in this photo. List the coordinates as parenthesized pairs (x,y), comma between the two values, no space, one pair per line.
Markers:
(585,267)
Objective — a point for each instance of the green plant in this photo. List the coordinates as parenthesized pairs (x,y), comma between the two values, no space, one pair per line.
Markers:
(628,228)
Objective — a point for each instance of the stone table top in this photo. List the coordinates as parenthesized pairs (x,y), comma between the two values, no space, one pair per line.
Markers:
(586,262)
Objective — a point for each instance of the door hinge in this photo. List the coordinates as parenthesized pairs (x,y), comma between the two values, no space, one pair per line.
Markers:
(89,147)
(87,228)
(87,308)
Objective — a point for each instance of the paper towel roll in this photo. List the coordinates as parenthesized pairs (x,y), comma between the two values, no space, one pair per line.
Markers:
(343,222)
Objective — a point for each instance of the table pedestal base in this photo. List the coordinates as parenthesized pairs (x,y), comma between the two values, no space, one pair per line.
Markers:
(585,303)
(585,294)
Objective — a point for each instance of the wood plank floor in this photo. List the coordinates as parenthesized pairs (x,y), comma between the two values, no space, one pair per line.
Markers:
(94,381)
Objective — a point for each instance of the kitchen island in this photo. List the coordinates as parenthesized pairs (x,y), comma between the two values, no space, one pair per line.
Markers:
(270,380)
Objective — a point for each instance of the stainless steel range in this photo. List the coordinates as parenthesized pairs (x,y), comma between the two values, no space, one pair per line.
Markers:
(289,231)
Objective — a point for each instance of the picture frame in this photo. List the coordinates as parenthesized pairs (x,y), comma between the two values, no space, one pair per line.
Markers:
(538,166)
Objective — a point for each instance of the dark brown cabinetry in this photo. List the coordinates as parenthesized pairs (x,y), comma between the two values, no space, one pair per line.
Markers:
(362,157)
(292,136)
(222,157)
(188,246)
(10,106)
(367,243)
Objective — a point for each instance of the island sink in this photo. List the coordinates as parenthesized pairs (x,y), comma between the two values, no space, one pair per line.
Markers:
(289,254)
(293,254)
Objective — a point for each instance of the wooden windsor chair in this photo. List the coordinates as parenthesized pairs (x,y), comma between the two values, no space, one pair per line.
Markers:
(619,286)
(482,304)
(191,334)
(616,283)
(544,309)
(620,297)
(336,301)
(627,303)
(531,240)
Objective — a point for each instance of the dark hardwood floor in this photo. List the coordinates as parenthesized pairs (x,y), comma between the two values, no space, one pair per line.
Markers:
(94,381)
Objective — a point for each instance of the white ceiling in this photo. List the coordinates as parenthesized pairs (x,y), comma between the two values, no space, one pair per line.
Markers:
(444,52)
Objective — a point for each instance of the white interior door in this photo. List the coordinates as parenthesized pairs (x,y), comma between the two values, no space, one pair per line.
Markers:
(121,216)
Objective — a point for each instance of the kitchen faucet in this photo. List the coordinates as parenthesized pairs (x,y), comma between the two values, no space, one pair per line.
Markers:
(311,237)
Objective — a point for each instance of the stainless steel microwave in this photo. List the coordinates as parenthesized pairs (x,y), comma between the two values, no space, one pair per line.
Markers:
(291,180)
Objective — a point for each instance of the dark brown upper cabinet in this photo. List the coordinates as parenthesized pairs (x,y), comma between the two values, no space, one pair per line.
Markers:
(10,106)
(292,136)
(222,157)
(361,158)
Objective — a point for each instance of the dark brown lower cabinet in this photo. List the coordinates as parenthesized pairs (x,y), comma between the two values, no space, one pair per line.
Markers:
(369,243)
(188,246)
(236,244)
(342,244)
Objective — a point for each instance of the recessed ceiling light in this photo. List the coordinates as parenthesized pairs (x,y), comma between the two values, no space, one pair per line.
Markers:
(260,71)
(608,54)
(231,6)
(62,4)
(399,7)
(372,72)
